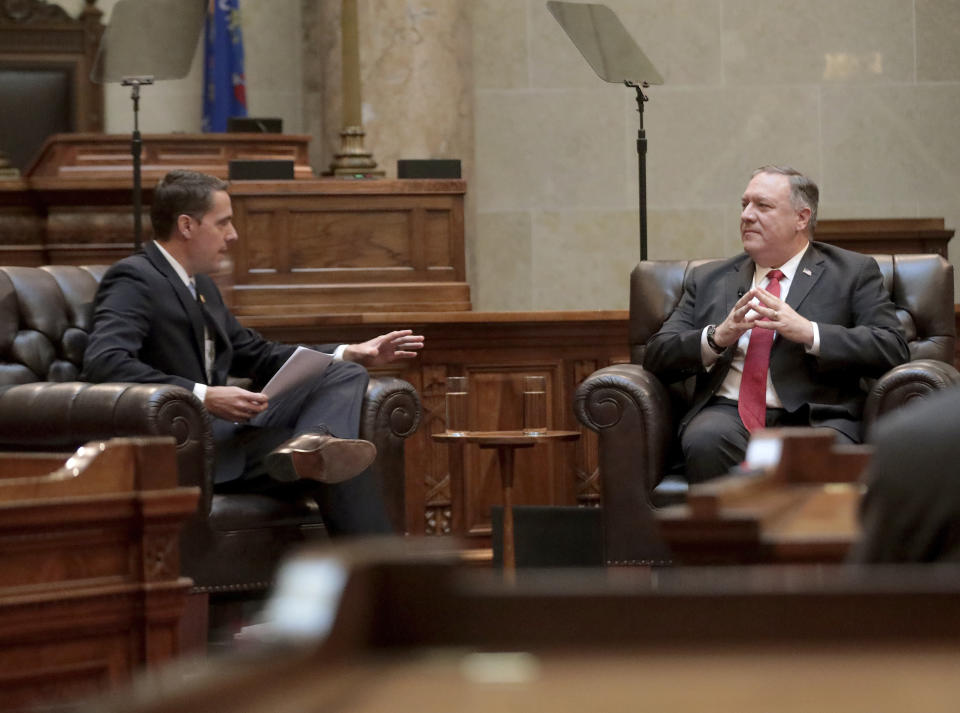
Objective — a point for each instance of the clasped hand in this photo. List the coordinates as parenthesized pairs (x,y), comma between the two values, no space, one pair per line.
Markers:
(758,308)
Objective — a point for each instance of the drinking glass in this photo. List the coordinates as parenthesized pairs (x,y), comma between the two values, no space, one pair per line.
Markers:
(534,405)
(456,401)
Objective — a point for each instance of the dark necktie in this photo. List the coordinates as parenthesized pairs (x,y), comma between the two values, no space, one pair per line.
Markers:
(753,386)
(209,334)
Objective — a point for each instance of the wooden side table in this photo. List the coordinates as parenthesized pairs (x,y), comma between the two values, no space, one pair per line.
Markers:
(506,442)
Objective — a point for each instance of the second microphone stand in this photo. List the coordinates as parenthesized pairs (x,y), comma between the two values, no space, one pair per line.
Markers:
(136,149)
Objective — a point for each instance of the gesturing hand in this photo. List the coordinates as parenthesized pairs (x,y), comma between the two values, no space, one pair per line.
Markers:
(233,403)
(402,344)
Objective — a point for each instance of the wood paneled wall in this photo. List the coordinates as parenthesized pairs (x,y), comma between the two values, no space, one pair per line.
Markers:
(449,492)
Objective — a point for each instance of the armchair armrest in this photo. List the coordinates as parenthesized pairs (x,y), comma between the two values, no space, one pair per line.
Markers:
(630,410)
(391,413)
(54,416)
(914,379)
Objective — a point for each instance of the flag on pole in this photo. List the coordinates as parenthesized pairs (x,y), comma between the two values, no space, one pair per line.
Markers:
(224,84)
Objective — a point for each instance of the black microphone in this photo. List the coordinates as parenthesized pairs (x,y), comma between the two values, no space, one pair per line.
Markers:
(740,293)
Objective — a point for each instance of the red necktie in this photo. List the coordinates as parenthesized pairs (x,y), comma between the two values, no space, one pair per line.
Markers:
(753,386)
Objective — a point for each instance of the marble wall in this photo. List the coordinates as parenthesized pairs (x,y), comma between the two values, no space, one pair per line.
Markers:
(861,94)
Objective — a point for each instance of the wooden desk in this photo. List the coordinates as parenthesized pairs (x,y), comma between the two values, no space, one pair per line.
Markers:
(804,509)
(90,585)
(505,443)
(740,640)
(334,245)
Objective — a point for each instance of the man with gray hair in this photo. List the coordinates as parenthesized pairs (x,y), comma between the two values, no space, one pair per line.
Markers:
(777,336)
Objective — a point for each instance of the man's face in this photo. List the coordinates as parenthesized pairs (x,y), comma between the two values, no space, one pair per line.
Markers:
(209,239)
(771,229)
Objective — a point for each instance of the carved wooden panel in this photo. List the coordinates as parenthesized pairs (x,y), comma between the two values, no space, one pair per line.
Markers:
(39,39)
(90,590)
(335,246)
(450,489)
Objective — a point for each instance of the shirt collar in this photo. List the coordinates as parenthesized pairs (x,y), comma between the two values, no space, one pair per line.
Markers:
(178,268)
(789,268)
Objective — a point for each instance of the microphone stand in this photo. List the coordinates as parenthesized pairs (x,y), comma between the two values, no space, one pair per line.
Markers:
(642,165)
(136,148)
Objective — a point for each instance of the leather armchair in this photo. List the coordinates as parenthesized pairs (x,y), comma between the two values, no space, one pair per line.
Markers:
(636,415)
(234,541)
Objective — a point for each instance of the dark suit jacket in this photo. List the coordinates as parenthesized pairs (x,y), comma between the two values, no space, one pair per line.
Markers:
(148,328)
(860,335)
(911,510)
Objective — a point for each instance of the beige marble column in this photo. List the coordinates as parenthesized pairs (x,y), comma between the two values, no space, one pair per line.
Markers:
(352,157)
(416,79)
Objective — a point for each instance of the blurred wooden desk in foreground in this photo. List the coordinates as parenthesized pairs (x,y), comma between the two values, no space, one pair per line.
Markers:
(420,633)
(801,509)
(90,586)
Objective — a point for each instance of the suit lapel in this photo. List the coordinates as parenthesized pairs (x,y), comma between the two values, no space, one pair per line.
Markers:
(183,294)
(809,271)
(737,283)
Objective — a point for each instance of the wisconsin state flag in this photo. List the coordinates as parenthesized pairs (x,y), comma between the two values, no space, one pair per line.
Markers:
(225,93)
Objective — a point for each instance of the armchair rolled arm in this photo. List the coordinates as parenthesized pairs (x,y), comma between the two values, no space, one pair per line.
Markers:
(914,379)
(391,414)
(54,416)
(629,408)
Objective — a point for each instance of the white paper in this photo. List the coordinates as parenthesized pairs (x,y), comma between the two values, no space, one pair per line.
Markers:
(303,365)
(763,452)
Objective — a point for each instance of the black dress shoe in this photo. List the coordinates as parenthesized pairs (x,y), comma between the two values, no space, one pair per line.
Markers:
(321,457)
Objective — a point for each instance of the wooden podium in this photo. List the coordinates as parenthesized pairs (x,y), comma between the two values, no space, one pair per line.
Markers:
(307,246)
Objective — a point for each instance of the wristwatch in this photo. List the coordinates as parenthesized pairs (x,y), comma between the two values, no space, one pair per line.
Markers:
(711,330)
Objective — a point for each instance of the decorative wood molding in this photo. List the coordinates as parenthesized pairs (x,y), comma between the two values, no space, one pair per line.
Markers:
(27,12)
(450,490)
(90,586)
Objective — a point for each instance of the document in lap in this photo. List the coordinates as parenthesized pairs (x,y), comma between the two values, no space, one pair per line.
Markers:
(302,366)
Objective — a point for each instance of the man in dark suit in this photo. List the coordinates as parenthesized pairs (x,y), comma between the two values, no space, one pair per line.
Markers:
(911,509)
(817,314)
(159,318)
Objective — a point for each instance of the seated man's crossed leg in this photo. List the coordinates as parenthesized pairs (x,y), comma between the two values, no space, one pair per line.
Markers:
(307,442)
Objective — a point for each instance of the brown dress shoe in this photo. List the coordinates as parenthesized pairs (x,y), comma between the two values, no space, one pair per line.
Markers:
(320,456)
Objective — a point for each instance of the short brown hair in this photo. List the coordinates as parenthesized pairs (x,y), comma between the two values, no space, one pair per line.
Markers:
(178,193)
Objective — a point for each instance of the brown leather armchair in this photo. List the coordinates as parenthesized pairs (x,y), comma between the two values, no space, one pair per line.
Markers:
(234,541)
(636,415)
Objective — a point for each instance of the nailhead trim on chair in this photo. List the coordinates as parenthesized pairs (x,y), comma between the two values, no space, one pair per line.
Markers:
(224,588)
(639,563)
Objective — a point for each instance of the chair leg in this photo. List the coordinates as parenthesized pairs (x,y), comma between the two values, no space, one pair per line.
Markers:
(194,624)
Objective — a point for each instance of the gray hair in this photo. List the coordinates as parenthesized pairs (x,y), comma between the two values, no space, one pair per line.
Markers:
(803,191)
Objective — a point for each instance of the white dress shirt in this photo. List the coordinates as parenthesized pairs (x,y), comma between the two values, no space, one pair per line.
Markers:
(730,388)
(200,390)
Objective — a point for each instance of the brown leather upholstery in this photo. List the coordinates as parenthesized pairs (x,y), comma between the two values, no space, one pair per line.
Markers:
(636,415)
(234,541)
